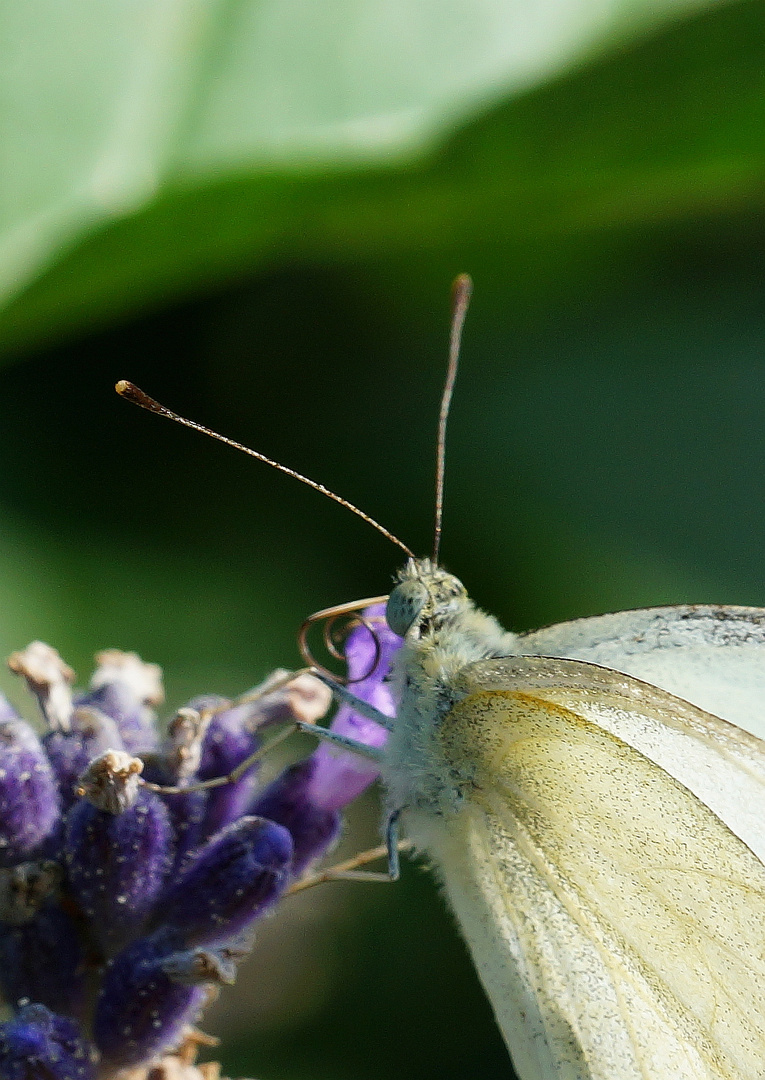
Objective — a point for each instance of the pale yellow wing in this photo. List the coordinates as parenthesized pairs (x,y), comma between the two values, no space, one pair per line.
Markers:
(617,923)
(721,764)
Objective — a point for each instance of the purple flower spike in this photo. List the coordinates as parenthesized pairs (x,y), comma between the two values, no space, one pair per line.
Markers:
(118,849)
(29,799)
(149,898)
(143,1008)
(239,874)
(126,689)
(39,1045)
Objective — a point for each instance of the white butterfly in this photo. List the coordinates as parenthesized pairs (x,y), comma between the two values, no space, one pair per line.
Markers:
(600,840)
(596,818)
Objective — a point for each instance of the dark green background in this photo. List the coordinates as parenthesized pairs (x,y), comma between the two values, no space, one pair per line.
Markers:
(606,447)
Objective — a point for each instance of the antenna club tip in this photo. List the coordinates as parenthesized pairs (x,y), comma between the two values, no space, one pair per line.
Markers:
(130,392)
(462,288)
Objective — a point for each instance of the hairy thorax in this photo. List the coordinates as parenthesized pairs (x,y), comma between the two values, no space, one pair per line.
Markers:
(417,773)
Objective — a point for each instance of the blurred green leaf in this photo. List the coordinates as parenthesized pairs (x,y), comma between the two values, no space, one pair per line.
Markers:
(167,144)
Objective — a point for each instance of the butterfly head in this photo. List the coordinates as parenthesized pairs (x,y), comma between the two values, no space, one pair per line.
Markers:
(423,598)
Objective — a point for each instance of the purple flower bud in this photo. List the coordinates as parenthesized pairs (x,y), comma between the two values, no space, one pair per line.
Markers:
(288,801)
(307,797)
(118,851)
(39,1045)
(241,872)
(187,816)
(42,960)
(230,739)
(29,799)
(233,736)
(70,752)
(145,1003)
(370,658)
(176,765)
(126,688)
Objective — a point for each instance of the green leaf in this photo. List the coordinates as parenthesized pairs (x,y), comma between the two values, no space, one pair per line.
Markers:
(152,147)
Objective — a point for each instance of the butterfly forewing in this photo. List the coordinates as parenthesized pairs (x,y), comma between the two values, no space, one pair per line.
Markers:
(629,917)
(713,656)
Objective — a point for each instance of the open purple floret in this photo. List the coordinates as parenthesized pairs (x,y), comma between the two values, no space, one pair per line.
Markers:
(308,797)
(123,907)
(339,776)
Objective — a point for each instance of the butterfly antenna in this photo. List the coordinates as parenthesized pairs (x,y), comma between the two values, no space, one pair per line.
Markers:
(131,392)
(462,290)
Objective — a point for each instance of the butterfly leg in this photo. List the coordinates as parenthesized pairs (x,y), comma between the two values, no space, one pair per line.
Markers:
(393,845)
(322,734)
(348,870)
(234,775)
(343,694)
(343,742)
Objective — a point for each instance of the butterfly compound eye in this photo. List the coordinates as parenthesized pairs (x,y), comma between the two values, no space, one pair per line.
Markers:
(404,606)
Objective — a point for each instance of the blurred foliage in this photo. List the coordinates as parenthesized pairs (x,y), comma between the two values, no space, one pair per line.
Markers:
(661,131)
(109,107)
(607,443)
